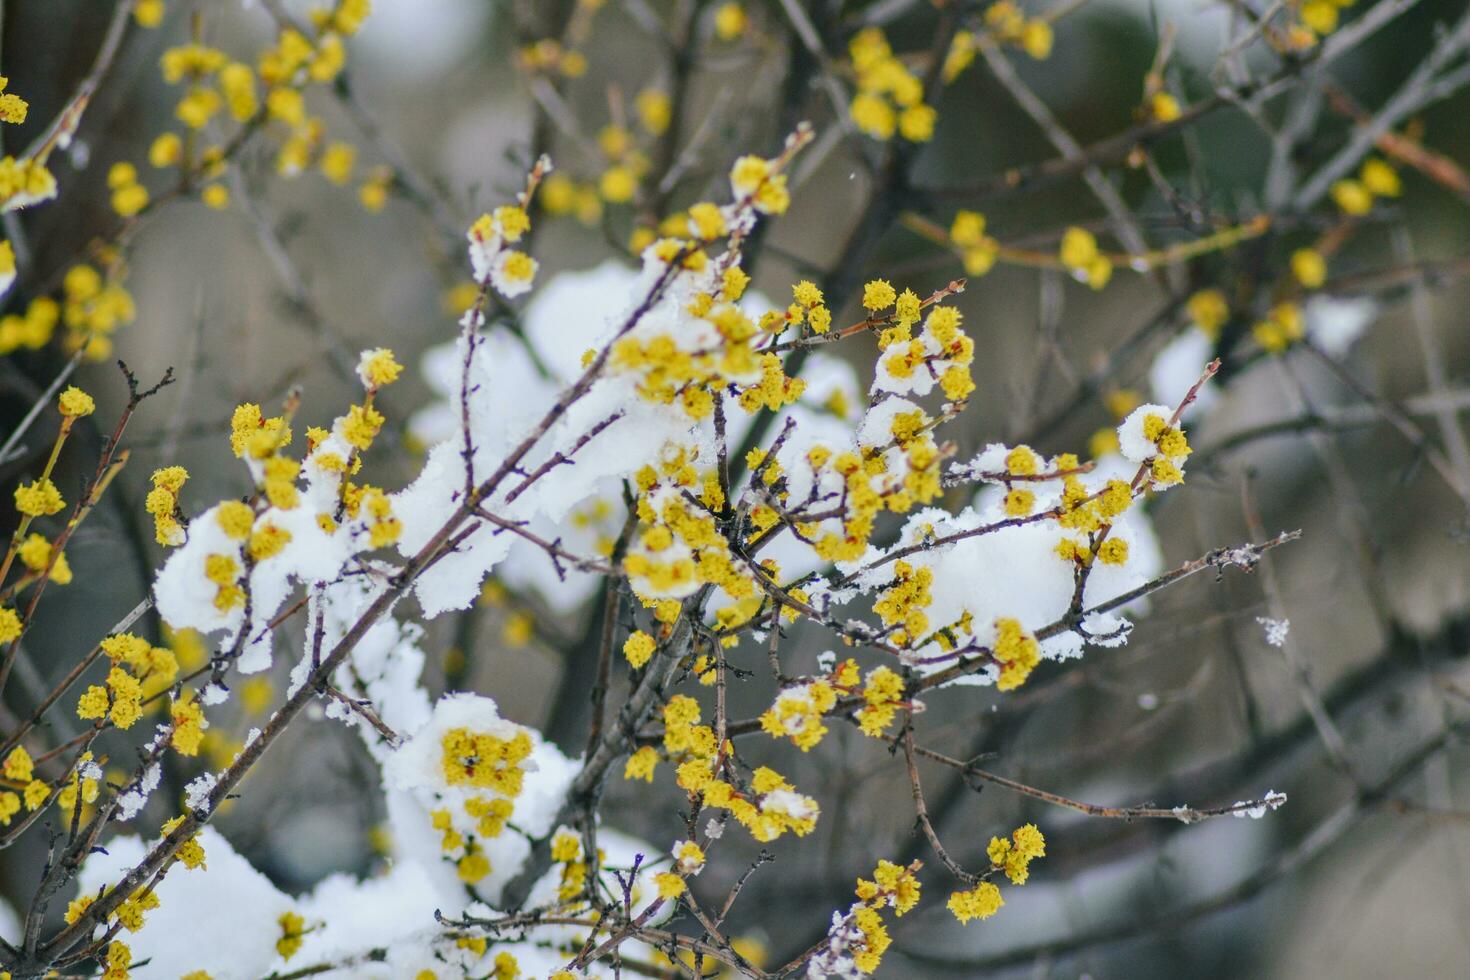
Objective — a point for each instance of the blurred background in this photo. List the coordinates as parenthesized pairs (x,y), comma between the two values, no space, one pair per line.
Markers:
(1358,717)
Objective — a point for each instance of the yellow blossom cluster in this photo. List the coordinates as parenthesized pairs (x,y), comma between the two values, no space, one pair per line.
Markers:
(509,270)
(1085,513)
(32,329)
(191,854)
(771,806)
(760,183)
(128,196)
(1016,651)
(730,20)
(188,726)
(39,498)
(1376,178)
(892,886)
(293,929)
(93,307)
(768,808)
(117,962)
(1310,20)
(490,816)
(121,700)
(81,785)
(484,761)
(626,165)
(13,108)
(155,667)
(872,483)
(1209,311)
(1079,254)
(36,553)
(271,91)
(1309,267)
(1173,449)
(566,850)
(808,305)
(561,195)
(548,56)
(1011,856)
(889,97)
(20,772)
(903,603)
(23,181)
(162,504)
(680,545)
(10,625)
(798,711)
(882,697)
(941,349)
(130,914)
(1282,327)
(639,648)
(977,249)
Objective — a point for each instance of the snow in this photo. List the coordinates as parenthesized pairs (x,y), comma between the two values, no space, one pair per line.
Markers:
(1015,571)
(1132,443)
(196,792)
(187,932)
(1334,323)
(1270,801)
(1276,630)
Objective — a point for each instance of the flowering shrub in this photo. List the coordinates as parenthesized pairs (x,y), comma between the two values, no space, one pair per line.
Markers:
(716,469)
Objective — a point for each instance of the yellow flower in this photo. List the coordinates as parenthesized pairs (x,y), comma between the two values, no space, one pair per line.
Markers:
(748,174)
(1018,502)
(378,367)
(1379,178)
(641,765)
(655,110)
(706,221)
(1029,841)
(19,765)
(287,105)
(92,703)
(373,193)
(166,151)
(730,21)
(1078,248)
(237,82)
(39,498)
(1320,15)
(149,13)
(1209,311)
(639,648)
(916,123)
(129,199)
(617,185)
(1164,107)
(75,403)
(878,295)
(669,885)
(1352,197)
(1309,267)
(873,115)
(980,902)
(337,162)
(293,926)
(13,108)
(1036,38)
